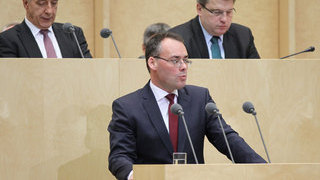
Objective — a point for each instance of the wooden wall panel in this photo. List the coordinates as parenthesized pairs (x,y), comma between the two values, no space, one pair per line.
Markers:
(129,19)
(11,11)
(262,18)
(53,118)
(307,27)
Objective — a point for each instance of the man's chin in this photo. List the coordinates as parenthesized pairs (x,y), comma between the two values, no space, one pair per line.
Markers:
(181,85)
(45,25)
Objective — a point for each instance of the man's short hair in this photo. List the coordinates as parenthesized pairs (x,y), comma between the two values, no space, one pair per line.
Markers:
(153,29)
(153,46)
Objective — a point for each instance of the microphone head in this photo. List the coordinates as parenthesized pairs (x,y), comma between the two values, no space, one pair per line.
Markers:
(211,108)
(176,109)
(311,49)
(105,32)
(68,27)
(248,108)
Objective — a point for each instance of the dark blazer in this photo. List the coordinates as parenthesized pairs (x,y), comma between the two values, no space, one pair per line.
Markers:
(19,42)
(138,134)
(238,41)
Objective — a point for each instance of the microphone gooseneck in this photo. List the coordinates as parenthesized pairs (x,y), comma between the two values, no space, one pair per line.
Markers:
(177,110)
(69,28)
(309,49)
(249,108)
(105,33)
(212,109)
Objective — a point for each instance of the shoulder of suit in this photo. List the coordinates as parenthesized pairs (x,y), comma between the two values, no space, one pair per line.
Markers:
(185,27)
(60,25)
(12,32)
(131,97)
(193,88)
(238,28)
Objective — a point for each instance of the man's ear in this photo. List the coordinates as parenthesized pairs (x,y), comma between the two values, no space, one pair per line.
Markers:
(199,9)
(152,63)
(25,3)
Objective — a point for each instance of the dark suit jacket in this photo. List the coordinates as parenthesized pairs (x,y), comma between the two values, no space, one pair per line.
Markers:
(237,41)
(19,42)
(138,134)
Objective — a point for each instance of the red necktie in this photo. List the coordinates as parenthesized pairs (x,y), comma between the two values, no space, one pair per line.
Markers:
(48,44)
(173,123)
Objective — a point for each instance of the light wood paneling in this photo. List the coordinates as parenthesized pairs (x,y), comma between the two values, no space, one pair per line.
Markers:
(307,27)
(226,171)
(53,118)
(262,18)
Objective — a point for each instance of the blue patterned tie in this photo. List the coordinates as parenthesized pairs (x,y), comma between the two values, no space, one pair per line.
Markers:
(215,50)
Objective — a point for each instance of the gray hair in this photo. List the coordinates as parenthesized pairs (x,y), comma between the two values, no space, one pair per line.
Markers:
(154,29)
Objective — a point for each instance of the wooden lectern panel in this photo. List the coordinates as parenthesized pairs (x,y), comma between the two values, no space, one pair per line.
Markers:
(227,171)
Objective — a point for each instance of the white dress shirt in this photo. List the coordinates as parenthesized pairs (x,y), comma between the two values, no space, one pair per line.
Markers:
(208,37)
(163,102)
(39,39)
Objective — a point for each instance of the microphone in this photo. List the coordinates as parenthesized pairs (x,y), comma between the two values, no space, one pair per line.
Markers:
(105,33)
(249,108)
(310,49)
(69,28)
(177,110)
(212,109)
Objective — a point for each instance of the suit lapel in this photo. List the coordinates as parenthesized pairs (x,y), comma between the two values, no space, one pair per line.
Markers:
(63,40)
(154,115)
(184,101)
(199,38)
(28,41)
(229,46)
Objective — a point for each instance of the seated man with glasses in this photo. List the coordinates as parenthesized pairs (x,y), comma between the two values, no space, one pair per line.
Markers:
(144,131)
(212,35)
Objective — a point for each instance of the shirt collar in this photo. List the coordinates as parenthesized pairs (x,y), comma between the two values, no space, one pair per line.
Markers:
(160,93)
(35,30)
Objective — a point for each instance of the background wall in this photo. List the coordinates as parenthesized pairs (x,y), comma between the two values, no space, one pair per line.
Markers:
(280,27)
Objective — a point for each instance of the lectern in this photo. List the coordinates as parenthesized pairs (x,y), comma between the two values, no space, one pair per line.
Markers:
(227,171)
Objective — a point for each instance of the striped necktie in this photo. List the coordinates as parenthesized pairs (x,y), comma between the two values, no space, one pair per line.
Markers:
(48,44)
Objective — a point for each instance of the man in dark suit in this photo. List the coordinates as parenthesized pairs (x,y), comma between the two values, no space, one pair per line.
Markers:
(211,34)
(39,37)
(144,131)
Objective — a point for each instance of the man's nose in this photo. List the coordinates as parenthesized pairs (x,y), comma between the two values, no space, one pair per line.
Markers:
(49,8)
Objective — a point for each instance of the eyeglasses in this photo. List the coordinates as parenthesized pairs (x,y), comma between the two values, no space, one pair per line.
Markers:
(220,13)
(177,62)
